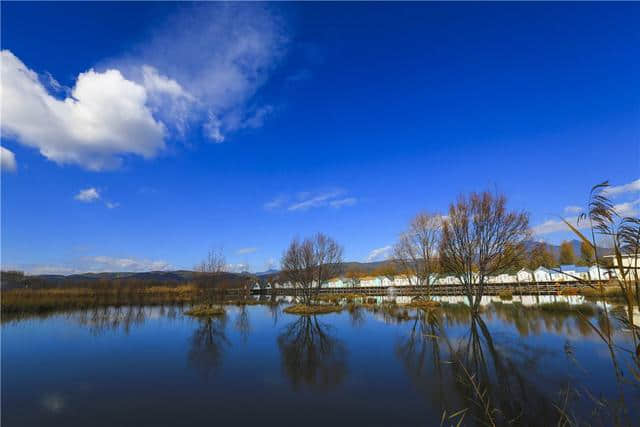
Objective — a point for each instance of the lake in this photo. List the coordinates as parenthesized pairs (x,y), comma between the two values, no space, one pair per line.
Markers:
(257,365)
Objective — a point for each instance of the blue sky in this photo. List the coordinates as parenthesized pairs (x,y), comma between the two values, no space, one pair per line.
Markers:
(138,136)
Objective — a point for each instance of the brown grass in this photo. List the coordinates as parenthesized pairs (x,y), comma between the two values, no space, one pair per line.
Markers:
(569,291)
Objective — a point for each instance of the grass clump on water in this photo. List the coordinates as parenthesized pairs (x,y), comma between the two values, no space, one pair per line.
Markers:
(312,309)
(423,304)
(205,311)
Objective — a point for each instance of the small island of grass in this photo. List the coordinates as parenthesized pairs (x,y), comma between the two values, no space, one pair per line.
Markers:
(205,311)
(423,304)
(312,309)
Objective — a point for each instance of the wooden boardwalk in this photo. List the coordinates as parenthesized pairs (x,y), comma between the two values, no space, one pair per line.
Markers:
(540,288)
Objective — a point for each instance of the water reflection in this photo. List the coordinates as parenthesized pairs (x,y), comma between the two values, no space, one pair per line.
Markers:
(472,377)
(207,345)
(311,355)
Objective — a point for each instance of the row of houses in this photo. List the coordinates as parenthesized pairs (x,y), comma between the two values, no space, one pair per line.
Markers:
(562,274)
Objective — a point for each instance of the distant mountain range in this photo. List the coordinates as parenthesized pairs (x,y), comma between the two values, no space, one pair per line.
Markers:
(182,276)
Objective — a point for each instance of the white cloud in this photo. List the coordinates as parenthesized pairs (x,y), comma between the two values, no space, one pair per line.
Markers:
(7,160)
(349,201)
(219,54)
(95,264)
(275,203)
(314,201)
(553,226)
(306,200)
(572,209)
(87,195)
(237,268)
(112,205)
(628,208)
(631,187)
(379,254)
(107,263)
(104,118)
(245,251)
(202,67)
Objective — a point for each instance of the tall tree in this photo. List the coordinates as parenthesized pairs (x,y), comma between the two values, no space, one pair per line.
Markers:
(587,254)
(416,252)
(309,263)
(567,255)
(541,256)
(480,238)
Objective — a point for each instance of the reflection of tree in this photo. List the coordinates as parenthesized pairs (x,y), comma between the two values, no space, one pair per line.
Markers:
(311,356)
(207,345)
(422,355)
(242,323)
(492,384)
(356,314)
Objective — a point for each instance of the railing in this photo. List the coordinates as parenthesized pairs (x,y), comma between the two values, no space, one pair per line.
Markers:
(539,288)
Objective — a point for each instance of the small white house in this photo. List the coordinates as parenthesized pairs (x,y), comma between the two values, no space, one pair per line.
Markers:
(450,280)
(598,273)
(401,281)
(506,278)
(492,280)
(256,287)
(370,281)
(336,282)
(524,276)
(542,274)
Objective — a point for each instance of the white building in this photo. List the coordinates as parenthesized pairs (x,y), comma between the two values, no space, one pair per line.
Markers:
(524,276)
(370,281)
(597,272)
(542,274)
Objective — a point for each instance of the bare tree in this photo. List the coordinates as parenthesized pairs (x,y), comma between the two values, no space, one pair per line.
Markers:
(416,252)
(479,239)
(308,264)
(214,262)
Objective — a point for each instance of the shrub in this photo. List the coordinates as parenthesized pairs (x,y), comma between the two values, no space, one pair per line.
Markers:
(506,295)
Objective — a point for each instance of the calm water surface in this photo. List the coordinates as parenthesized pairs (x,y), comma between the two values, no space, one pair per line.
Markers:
(156,366)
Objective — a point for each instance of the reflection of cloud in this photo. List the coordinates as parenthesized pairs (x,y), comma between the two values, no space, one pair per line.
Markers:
(53,402)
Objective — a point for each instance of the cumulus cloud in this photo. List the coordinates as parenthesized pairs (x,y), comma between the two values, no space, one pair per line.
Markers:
(379,254)
(87,195)
(200,70)
(104,118)
(7,160)
(556,225)
(617,190)
(245,251)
